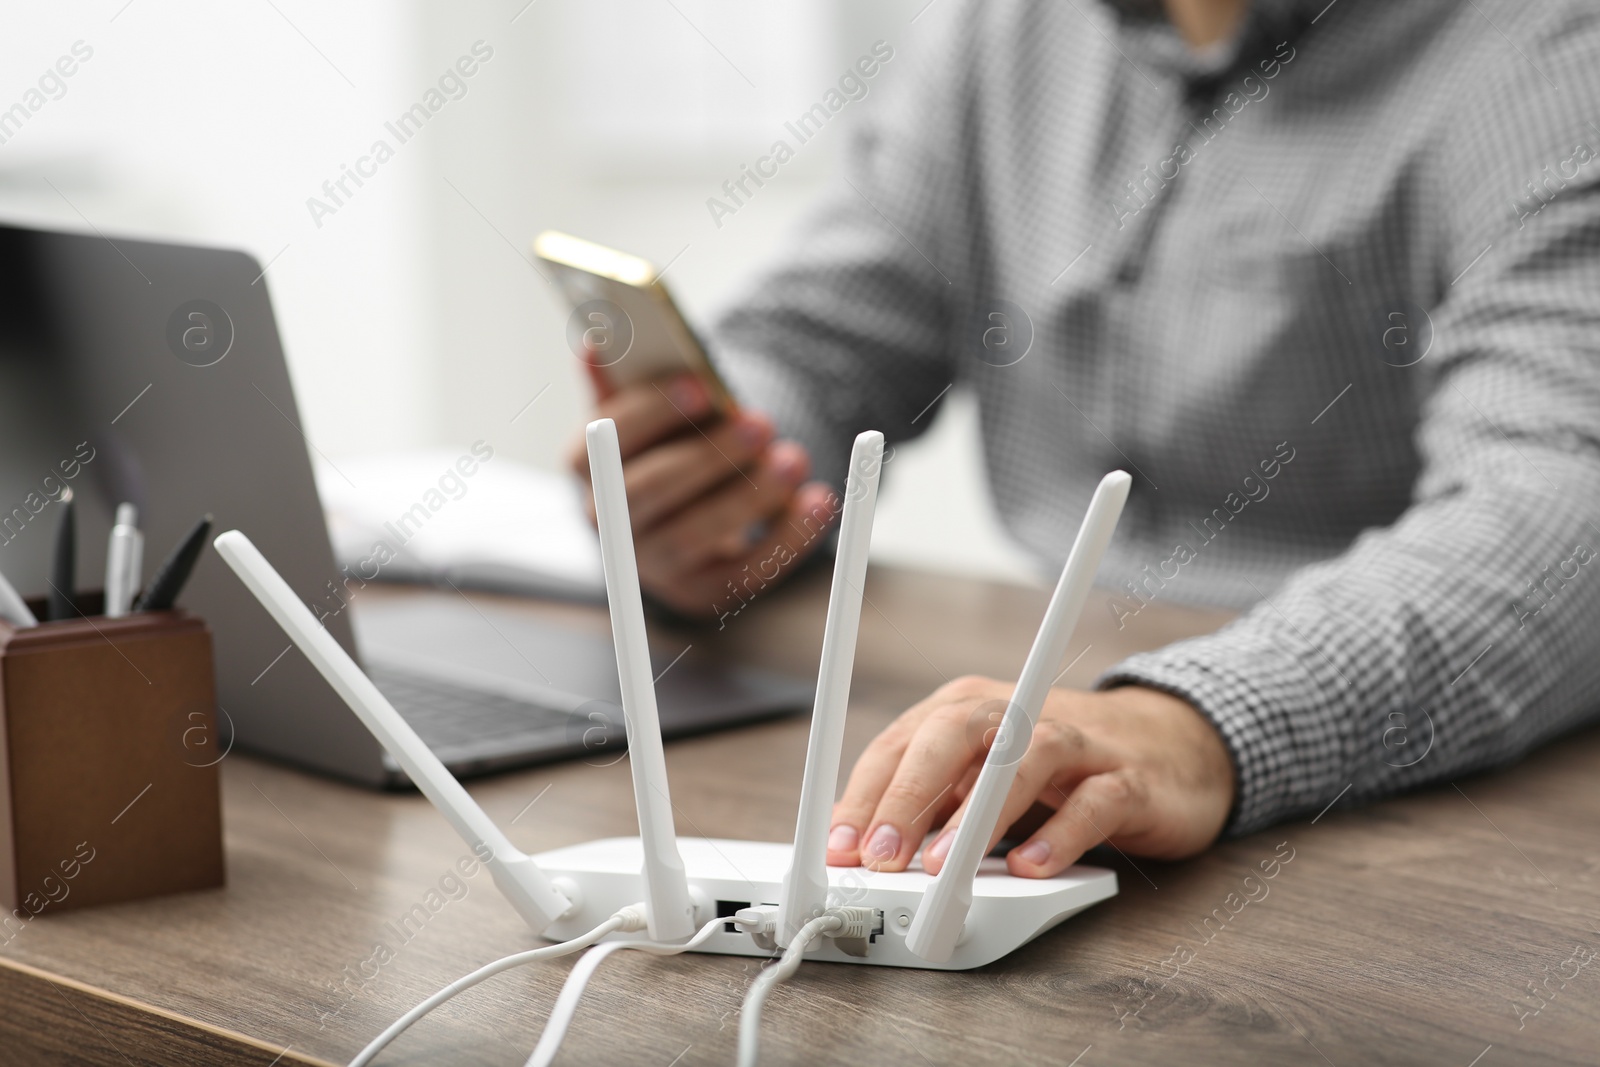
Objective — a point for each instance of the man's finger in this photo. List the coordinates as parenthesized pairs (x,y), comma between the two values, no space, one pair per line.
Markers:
(871,776)
(1095,812)
(644,414)
(934,761)
(728,522)
(723,589)
(676,474)
(603,389)
(1058,755)
(577,453)
(654,411)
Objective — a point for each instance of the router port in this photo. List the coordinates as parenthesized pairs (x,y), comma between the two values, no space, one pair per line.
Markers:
(726,908)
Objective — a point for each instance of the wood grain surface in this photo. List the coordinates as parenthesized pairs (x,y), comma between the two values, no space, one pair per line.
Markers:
(1427,929)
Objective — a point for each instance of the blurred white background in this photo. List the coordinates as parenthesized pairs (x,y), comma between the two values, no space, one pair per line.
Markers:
(411,316)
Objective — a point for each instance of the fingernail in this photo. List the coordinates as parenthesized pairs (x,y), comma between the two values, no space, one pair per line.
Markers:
(751,434)
(689,396)
(843,838)
(789,460)
(1035,852)
(884,844)
(819,499)
(940,846)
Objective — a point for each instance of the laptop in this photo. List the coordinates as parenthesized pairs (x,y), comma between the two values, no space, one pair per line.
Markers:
(153,373)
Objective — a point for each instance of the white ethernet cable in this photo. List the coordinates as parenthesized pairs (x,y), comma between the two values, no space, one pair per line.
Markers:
(627,920)
(840,921)
(835,922)
(566,1005)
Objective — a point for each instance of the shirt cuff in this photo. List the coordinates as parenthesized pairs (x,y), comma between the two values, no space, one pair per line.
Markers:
(1276,713)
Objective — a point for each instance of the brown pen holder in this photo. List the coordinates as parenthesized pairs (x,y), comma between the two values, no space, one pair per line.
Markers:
(108,762)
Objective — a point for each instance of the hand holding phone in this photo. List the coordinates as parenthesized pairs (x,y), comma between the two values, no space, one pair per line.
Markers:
(721,510)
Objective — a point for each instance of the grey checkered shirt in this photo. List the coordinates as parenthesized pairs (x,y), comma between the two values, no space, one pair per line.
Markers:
(1331,294)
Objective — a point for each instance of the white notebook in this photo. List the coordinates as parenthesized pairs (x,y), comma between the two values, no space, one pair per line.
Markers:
(440,515)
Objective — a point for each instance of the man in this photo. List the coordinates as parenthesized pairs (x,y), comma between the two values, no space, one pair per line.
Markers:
(1324,277)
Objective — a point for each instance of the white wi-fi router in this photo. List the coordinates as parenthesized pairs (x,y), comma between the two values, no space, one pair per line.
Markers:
(971,914)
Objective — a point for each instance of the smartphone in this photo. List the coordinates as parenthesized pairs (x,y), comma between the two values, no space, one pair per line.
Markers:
(624,320)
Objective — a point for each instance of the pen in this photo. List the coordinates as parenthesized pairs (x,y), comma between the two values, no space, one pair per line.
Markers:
(168,580)
(12,607)
(124,560)
(64,568)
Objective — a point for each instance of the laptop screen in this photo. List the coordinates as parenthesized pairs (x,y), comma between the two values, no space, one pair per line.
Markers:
(153,374)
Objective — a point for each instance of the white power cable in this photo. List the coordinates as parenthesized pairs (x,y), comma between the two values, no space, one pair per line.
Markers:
(555,1028)
(750,1015)
(627,919)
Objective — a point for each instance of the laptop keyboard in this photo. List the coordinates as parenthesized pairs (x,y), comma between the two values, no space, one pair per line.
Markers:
(451,716)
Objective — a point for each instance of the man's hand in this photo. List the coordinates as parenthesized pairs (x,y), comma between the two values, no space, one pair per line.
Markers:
(713,500)
(1133,766)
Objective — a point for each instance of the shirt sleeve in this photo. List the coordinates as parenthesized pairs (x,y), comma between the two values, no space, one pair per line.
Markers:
(846,331)
(1463,634)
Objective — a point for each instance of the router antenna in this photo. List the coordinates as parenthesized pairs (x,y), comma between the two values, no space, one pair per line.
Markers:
(805,887)
(936,928)
(517,877)
(670,911)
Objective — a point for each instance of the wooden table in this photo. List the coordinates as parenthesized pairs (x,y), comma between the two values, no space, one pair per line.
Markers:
(1408,932)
